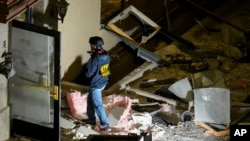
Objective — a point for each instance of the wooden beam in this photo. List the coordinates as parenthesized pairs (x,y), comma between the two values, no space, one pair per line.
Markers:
(153,96)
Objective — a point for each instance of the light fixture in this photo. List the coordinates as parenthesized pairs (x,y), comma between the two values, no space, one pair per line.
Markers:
(62,7)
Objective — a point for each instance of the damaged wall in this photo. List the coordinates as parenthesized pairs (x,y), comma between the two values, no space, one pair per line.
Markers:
(81,22)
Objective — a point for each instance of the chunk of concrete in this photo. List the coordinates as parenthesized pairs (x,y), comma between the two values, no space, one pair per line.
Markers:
(84,132)
(66,124)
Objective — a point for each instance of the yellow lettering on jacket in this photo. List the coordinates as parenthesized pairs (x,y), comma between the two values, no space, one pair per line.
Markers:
(104,69)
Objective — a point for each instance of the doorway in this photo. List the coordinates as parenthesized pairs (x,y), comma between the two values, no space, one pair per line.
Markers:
(34,89)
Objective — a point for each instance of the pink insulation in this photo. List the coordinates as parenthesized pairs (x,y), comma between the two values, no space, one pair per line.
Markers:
(78,109)
(77,104)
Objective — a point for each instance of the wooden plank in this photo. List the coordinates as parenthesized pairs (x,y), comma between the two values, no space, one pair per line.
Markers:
(119,31)
(210,130)
(153,96)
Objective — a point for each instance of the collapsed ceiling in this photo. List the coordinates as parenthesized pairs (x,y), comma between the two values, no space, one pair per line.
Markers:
(209,59)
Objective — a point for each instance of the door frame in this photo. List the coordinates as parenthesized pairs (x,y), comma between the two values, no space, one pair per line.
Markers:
(31,130)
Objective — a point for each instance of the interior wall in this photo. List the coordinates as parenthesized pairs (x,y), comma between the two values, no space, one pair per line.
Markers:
(81,21)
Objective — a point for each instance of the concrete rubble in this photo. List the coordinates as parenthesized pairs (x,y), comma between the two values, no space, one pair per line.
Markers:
(125,120)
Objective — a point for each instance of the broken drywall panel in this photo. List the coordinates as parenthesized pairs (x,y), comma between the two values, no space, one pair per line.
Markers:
(142,22)
(183,90)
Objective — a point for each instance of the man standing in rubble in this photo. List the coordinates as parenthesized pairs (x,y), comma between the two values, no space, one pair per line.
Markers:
(97,71)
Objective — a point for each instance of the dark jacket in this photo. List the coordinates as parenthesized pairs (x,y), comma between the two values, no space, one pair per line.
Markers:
(97,70)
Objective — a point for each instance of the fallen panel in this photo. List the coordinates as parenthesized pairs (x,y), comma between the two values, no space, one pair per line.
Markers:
(212,105)
(132,21)
(141,52)
(183,90)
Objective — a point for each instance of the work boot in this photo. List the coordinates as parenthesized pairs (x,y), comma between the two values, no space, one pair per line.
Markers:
(106,128)
(89,123)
